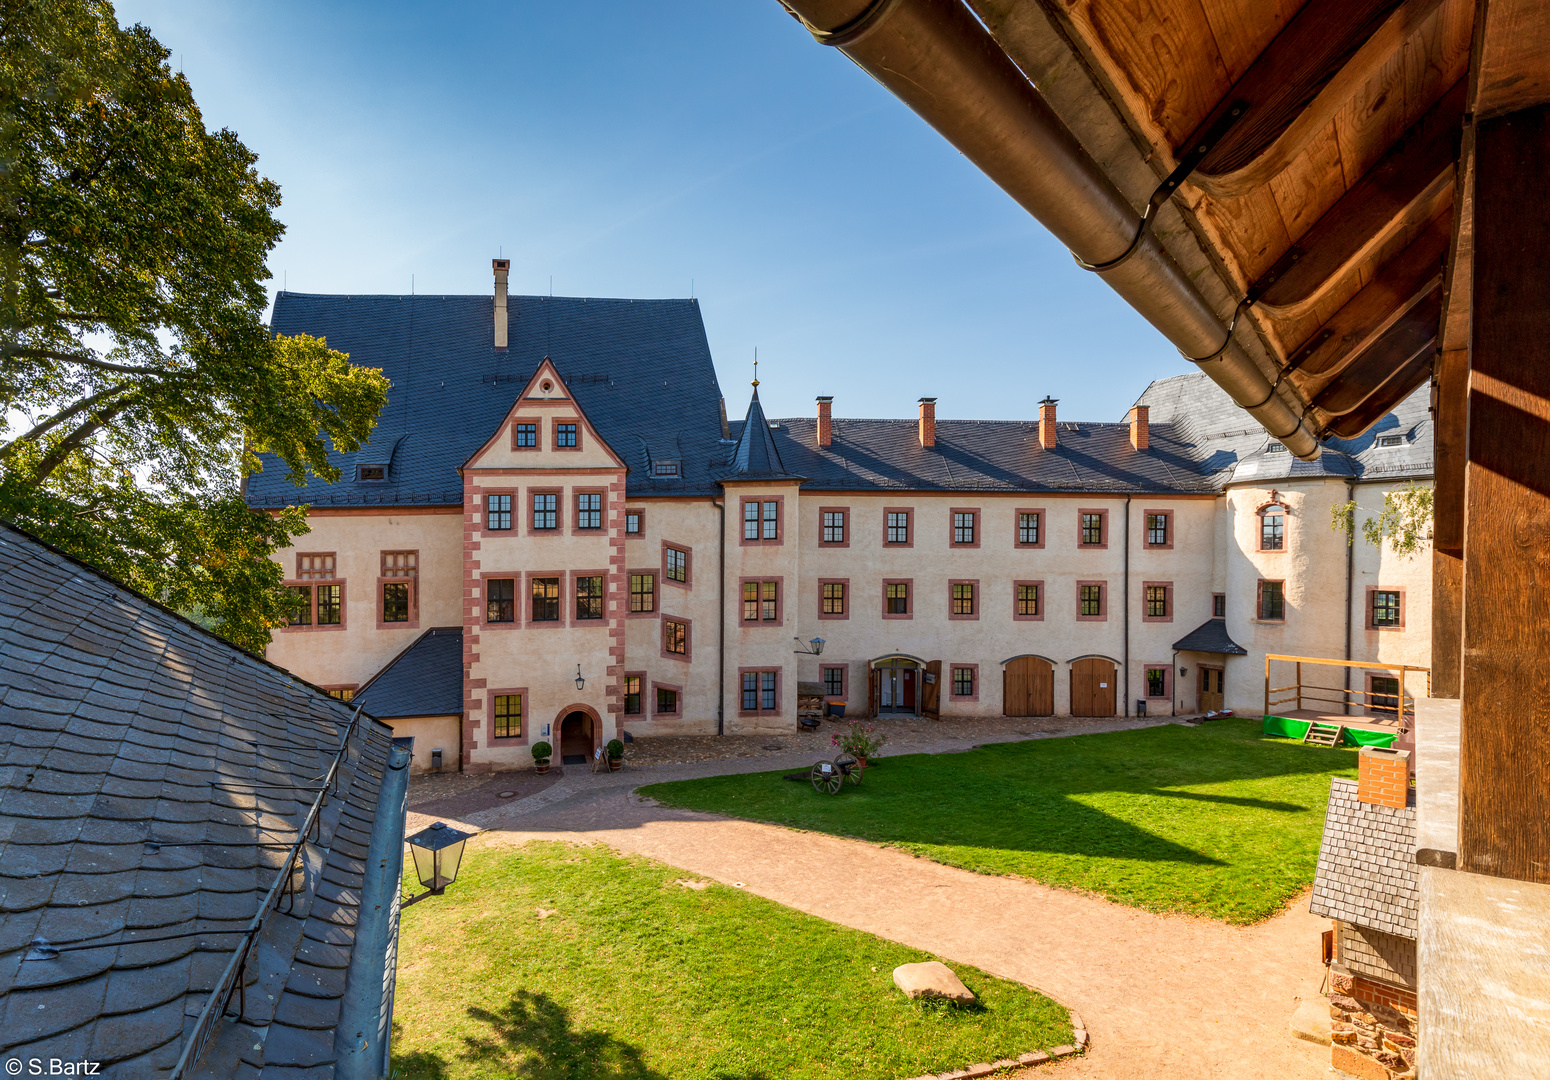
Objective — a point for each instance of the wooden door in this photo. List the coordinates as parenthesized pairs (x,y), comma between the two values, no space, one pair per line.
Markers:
(907,688)
(931,691)
(1028,687)
(1210,689)
(1093,690)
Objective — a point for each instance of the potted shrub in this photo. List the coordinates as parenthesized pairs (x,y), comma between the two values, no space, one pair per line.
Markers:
(542,751)
(615,755)
(859,741)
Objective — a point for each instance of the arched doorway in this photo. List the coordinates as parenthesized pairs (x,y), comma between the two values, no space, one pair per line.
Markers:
(1093,686)
(578,737)
(896,687)
(1028,687)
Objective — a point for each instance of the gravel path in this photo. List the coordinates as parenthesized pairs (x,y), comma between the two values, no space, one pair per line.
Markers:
(1161,996)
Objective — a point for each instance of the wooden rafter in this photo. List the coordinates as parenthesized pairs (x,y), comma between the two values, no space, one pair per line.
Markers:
(1396,347)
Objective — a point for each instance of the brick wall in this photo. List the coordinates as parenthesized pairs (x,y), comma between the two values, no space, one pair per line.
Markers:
(1383,777)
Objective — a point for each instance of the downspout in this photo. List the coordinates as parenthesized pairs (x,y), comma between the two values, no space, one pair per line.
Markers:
(1126,652)
(721,623)
(1350,576)
(936,57)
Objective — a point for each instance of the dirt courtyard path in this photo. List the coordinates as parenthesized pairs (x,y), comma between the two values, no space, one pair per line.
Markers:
(1161,996)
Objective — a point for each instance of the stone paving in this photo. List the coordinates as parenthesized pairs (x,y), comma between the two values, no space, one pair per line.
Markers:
(1161,996)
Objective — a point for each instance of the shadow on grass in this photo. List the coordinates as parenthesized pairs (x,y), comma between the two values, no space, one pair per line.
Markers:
(534,1038)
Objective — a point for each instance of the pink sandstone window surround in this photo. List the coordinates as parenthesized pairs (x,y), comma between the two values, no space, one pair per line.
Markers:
(762,521)
(1030,527)
(963,599)
(524,435)
(1157,533)
(634,701)
(963,527)
(898,598)
(1028,601)
(515,725)
(502,599)
(677,565)
(667,699)
(898,526)
(834,526)
(1385,608)
(634,523)
(834,598)
(1092,528)
(963,682)
(502,508)
(544,599)
(1156,601)
(1092,601)
(677,638)
(567,435)
(643,594)
(760,602)
(758,691)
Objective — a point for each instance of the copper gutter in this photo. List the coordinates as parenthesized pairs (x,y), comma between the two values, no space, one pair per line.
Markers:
(937,58)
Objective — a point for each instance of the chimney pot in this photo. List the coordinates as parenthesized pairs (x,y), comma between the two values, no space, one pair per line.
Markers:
(928,421)
(825,421)
(502,268)
(1383,777)
(1047,438)
(1140,435)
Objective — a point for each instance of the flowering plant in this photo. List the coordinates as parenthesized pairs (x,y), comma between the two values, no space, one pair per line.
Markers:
(859,740)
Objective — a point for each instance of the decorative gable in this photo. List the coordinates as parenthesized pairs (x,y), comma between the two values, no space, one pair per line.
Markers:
(546,428)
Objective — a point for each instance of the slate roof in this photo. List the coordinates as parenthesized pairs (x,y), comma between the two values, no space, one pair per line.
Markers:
(1366,873)
(640,368)
(755,455)
(1210,636)
(132,747)
(426,679)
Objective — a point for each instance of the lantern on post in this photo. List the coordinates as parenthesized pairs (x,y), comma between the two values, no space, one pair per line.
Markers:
(437,852)
(812,648)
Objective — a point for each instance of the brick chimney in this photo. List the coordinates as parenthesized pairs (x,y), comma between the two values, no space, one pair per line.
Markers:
(1383,777)
(1140,437)
(502,268)
(825,421)
(1047,422)
(928,421)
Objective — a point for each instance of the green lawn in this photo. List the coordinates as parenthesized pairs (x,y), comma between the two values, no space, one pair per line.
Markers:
(1215,820)
(634,977)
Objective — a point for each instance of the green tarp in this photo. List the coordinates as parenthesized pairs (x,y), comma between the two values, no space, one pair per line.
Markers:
(1287,728)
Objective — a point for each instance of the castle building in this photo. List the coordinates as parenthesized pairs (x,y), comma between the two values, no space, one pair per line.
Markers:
(555,534)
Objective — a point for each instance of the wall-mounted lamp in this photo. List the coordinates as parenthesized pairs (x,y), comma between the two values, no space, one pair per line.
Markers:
(437,852)
(1183,671)
(812,648)
(581,684)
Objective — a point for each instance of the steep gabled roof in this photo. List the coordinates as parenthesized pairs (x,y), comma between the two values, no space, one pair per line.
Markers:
(1366,872)
(426,679)
(1210,636)
(145,761)
(755,456)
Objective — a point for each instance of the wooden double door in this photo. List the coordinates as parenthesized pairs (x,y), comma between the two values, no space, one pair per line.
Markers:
(1028,687)
(1210,689)
(1093,687)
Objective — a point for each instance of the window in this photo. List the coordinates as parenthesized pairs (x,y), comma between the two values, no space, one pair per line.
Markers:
(1090,600)
(643,593)
(761,520)
(1028,528)
(395,602)
(898,526)
(896,598)
(963,526)
(525,436)
(329,608)
(1391,440)
(632,523)
(342,693)
(1383,694)
(771,520)
(833,598)
(506,716)
(677,563)
(759,691)
(834,681)
(1272,601)
(1275,448)
(1092,529)
(667,700)
(750,521)
(546,513)
(963,682)
(1157,530)
(497,512)
(589,510)
(315,566)
(1157,606)
(589,596)
(500,600)
(664,468)
(1385,607)
(372,472)
(963,598)
(761,601)
(546,599)
(675,637)
(1156,682)
(632,695)
(1272,528)
(303,616)
(1218,605)
(834,526)
(1028,600)
(565,436)
(400,564)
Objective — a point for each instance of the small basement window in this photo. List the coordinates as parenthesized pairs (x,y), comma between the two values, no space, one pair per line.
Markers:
(1391,440)
(372,472)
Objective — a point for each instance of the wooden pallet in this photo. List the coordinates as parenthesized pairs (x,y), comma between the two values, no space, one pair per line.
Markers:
(1324,734)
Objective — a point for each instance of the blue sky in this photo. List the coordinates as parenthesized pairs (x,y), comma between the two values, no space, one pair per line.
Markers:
(631,148)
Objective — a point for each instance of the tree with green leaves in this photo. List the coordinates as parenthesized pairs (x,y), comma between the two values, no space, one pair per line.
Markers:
(1405,521)
(138,381)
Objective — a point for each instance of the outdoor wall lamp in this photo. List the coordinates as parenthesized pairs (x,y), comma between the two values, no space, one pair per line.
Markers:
(581,683)
(437,852)
(812,648)
(1183,671)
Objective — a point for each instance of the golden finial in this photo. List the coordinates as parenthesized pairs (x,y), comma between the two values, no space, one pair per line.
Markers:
(756,368)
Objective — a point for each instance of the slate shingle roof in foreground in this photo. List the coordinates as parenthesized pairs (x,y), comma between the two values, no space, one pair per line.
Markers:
(1366,873)
(426,679)
(132,749)
(1210,636)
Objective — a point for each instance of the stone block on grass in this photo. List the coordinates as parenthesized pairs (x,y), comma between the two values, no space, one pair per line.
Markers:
(932,979)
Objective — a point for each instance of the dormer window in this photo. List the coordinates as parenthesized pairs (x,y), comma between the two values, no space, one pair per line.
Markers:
(1276,448)
(664,468)
(371,472)
(1391,440)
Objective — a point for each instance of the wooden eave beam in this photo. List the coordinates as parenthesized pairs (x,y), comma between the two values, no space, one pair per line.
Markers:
(1319,61)
(1396,347)
(1407,280)
(1398,386)
(1512,60)
(1403,189)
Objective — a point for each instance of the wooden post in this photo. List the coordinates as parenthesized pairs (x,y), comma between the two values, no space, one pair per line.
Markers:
(1451,402)
(1267,684)
(1504,751)
(1299,686)
(1399,706)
